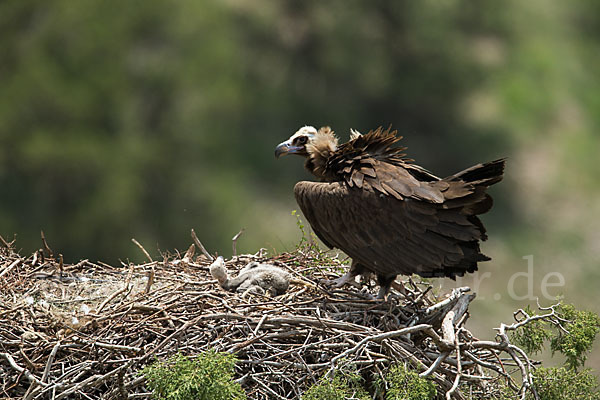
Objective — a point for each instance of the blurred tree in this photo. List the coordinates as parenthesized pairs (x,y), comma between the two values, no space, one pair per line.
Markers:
(106,119)
(146,118)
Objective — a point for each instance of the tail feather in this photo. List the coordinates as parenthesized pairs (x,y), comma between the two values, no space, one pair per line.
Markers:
(485,174)
(476,179)
(465,198)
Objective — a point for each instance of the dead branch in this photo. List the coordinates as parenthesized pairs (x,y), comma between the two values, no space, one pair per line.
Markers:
(142,249)
(201,246)
(12,265)
(234,241)
(4,242)
(16,367)
(46,247)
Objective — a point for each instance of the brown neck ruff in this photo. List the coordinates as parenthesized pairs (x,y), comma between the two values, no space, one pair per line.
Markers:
(319,149)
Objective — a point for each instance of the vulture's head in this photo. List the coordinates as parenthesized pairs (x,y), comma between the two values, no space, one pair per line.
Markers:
(308,142)
(296,144)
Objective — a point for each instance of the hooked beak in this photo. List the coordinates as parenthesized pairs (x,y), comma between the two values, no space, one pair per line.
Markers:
(286,148)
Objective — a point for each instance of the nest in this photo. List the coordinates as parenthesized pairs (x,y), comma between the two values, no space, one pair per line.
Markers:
(86,330)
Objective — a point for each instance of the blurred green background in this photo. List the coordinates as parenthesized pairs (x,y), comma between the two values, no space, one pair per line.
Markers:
(147,118)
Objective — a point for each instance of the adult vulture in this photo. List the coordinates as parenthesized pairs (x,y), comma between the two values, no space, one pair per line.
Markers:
(389,215)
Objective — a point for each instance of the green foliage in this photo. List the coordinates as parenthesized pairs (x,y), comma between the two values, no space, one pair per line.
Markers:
(335,389)
(345,384)
(208,376)
(565,383)
(407,385)
(300,225)
(574,340)
(582,328)
(308,240)
(532,336)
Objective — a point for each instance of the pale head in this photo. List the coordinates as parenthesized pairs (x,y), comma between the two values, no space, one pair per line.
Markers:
(296,144)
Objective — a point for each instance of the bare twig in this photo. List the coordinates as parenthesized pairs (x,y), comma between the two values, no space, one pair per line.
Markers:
(234,241)
(50,361)
(151,275)
(46,247)
(16,367)
(189,254)
(118,292)
(458,372)
(4,242)
(434,365)
(60,265)
(201,246)
(378,337)
(142,249)
(10,266)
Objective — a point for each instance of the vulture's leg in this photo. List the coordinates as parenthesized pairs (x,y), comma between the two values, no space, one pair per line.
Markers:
(348,277)
(384,286)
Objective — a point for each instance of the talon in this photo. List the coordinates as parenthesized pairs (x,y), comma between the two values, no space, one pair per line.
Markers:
(341,281)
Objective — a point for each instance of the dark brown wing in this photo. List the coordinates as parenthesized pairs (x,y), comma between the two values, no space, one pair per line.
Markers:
(391,236)
(373,162)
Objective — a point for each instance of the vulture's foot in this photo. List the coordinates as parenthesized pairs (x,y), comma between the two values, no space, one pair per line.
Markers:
(385,283)
(399,286)
(348,277)
(381,297)
(383,294)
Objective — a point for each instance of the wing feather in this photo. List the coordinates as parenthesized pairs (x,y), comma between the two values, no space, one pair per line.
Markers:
(387,235)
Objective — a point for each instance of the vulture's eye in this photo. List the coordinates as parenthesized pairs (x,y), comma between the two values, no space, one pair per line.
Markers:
(301,140)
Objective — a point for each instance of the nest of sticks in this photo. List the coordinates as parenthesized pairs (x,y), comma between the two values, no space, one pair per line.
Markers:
(86,330)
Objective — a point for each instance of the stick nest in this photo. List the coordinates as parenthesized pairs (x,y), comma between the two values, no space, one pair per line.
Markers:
(86,330)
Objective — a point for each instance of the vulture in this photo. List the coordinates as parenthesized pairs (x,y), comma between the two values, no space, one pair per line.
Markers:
(391,216)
